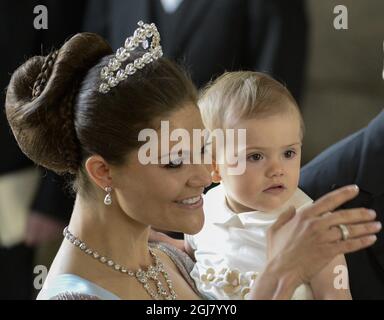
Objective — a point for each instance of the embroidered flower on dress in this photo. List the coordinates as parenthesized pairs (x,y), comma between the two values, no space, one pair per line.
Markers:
(230,281)
(207,278)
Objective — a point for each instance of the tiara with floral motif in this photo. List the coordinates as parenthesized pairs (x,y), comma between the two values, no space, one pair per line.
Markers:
(112,74)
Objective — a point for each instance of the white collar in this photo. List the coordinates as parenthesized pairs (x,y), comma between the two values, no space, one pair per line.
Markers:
(170,6)
(224,216)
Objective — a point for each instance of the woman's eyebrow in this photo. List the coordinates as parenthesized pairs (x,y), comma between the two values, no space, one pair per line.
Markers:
(207,142)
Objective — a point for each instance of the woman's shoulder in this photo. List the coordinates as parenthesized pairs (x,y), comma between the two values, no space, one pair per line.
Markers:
(74,296)
(73,287)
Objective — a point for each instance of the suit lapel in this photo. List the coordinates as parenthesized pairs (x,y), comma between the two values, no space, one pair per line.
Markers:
(192,14)
(368,200)
(378,247)
(124,21)
(378,252)
(369,176)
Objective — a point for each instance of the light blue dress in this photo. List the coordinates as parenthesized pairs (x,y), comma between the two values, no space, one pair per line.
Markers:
(73,287)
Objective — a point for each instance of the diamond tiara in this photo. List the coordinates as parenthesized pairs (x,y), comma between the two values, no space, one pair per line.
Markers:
(112,74)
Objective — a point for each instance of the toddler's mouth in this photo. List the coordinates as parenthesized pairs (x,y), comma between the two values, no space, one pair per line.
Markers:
(275,189)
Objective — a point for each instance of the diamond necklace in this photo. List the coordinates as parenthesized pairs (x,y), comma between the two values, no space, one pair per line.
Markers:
(144,277)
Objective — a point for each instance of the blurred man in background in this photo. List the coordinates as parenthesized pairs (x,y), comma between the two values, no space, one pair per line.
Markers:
(213,36)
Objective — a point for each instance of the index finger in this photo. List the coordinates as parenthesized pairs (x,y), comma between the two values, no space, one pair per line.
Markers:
(331,200)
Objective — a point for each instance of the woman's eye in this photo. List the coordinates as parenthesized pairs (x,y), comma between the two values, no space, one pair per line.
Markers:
(177,163)
(255,157)
(289,154)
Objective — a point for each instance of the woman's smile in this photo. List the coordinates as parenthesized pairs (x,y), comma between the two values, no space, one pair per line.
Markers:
(194,202)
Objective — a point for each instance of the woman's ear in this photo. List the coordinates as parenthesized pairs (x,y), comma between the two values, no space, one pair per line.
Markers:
(215,173)
(99,171)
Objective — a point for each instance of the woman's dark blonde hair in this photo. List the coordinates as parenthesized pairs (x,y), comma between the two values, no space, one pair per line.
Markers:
(59,117)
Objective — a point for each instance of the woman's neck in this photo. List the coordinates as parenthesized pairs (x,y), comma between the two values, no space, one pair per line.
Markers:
(111,232)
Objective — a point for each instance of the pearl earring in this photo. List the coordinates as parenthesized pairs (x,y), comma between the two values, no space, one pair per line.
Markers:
(108,197)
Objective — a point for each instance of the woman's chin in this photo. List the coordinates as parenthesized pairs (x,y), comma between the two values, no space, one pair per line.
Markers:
(195,224)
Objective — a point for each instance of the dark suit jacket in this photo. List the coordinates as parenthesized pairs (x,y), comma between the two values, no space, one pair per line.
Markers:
(212,36)
(22,41)
(357,159)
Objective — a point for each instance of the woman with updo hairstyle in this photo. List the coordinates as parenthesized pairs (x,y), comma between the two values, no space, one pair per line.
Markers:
(79,111)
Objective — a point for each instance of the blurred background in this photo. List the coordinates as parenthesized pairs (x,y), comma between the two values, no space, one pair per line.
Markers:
(336,76)
(344,88)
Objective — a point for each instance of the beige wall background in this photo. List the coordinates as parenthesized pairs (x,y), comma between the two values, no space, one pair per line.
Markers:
(345,88)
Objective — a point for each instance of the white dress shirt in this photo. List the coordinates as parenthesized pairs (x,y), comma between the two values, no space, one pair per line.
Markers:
(231,249)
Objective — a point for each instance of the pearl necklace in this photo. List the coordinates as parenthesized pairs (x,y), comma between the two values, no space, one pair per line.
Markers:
(144,277)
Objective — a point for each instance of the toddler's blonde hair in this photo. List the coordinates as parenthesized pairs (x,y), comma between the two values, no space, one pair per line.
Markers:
(242,95)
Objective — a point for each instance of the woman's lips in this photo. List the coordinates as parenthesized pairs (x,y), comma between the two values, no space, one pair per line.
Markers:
(191,203)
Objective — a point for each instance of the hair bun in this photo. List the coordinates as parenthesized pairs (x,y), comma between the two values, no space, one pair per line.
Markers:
(41,116)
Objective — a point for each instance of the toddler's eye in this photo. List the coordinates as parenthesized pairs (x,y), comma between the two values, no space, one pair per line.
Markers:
(289,154)
(255,157)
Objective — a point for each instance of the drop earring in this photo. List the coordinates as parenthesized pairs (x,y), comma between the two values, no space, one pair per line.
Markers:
(108,197)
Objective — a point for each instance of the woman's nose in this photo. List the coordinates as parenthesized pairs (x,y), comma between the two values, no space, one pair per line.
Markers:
(201,177)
